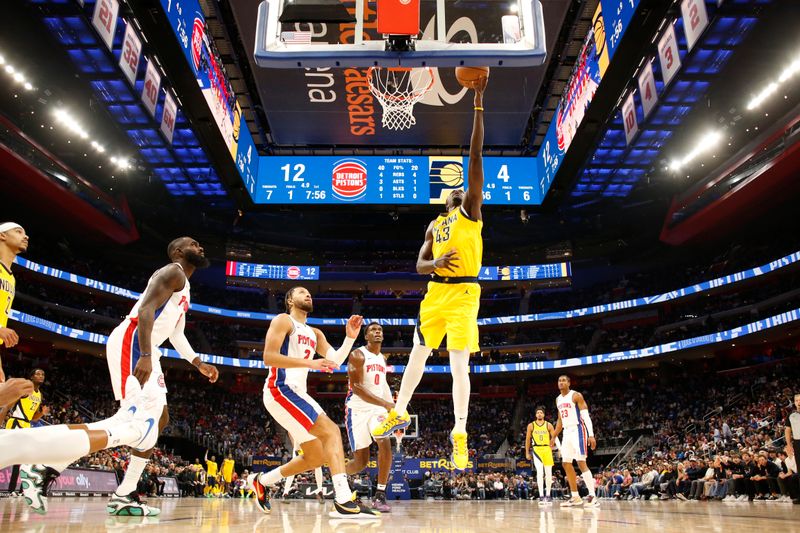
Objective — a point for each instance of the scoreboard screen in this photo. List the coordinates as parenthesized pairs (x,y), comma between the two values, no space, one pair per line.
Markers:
(392,180)
(262,271)
(525,272)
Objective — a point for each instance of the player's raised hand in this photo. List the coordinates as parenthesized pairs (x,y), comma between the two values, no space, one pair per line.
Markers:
(447,261)
(209,371)
(323,365)
(143,369)
(353,326)
(9,337)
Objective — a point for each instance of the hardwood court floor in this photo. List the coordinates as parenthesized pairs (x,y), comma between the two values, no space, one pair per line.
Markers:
(229,516)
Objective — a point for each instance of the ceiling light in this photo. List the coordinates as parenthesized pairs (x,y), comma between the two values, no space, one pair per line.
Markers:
(9,69)
(705,143)
(2,60)
(28,86)
(18,77)
(763,95)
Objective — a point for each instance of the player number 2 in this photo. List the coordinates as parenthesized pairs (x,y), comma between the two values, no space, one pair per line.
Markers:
(308,353)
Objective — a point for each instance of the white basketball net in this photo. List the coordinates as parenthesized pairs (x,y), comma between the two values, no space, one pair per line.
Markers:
(398,89)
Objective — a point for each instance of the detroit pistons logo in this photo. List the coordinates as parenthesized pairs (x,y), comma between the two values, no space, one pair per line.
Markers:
(198,32)
(293,272)
(161,382)
(349,179)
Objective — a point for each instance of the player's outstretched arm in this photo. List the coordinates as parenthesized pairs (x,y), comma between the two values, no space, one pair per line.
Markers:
(473,200)
(184,348)
(355,373)
(279,328)
(352,329)
(585,418)
(165,282)
(426,263)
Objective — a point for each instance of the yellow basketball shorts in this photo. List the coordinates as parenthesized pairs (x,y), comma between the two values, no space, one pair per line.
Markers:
(449,309)
(542,455)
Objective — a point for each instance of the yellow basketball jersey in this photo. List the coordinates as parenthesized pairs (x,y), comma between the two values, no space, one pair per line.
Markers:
(227,468)
(455,231)
(7,287)
(211,468)
(23,411)
(540,435)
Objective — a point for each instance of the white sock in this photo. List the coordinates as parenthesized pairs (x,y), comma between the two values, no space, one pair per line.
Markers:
(131,478)
(411,376)
(540,478)
(548,480)
(341,488)
(287,485)
(381,487)
(42,445)
(589,480)
(270,478)
(318,478)
(459,367)
(126,434)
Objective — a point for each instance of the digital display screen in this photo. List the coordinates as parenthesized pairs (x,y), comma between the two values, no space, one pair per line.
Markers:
(391,180)
(262,271)
(525,272)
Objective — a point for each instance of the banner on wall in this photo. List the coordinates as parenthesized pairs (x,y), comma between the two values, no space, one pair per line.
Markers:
(131,53)
(168,118)
(104,20)
(152,84)
(415,468)
(647,88)
(265,463)
(629,118)
(668,54)
(695,20)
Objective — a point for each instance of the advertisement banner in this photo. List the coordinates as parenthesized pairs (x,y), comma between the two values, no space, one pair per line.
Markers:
(171,489)
(104,20)
(414,468)
(695,20)
(647,88)
(629,118)
(524,466)
(668,54)
(130,54)
(265,463)
(84,481)
(492,464)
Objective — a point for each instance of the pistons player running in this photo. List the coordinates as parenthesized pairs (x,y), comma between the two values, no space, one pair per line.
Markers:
(289,353)
(367,405)
(132,353)
(573,418)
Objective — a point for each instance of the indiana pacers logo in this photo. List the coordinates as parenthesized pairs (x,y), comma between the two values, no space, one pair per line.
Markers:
(446,174)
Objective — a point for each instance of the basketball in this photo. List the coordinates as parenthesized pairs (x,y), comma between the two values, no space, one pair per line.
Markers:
(467,76)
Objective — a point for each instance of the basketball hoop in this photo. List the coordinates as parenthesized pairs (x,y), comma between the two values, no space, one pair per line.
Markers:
(398,89)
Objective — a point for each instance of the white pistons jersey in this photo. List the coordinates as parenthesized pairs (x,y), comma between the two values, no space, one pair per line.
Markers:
(374,381)
(568,410)
(168,316)
(301,343)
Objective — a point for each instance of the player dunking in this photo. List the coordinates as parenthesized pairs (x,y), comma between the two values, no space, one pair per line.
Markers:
(289,353)
(133,358)
(573,418)
(368,402)
(540,439)
(451,254)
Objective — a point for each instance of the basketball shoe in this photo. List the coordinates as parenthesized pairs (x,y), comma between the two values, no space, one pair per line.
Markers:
(460,450)
(575,501)
(353,509)
(261,491)
(392,422)
(130,505)
(35,480)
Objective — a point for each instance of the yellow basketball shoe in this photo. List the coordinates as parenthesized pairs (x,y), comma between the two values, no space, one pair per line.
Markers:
(460,450)
(392,422)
